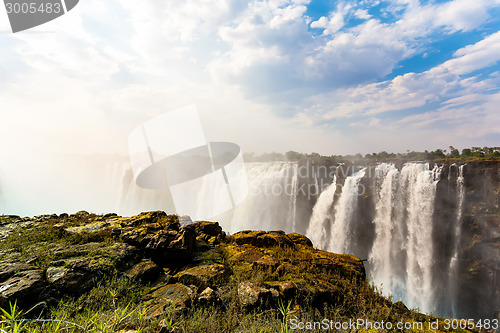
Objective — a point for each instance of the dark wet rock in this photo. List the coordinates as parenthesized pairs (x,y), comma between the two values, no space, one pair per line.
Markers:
(171,248)
(145,271)
(208,234)
(202,276)
(24,287)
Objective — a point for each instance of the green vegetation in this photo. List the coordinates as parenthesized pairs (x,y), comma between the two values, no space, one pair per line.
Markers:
(439,155)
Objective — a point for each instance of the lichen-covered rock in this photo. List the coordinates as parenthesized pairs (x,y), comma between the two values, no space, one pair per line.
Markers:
(83,249)
(24,287)
(300,239)
(246,253)
(266,263)
(262,238)
(208,228)
(8,269)
(172,249)
(171,298)
(73,281)
(202,276)
(287,288)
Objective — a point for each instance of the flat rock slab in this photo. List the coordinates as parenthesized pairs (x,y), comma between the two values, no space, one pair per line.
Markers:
(23,286)
(202,276)
(169,298)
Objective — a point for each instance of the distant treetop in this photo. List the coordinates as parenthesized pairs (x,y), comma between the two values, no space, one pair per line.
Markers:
(438,155)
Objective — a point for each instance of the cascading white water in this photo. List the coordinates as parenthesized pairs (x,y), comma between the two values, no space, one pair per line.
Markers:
(269,206)
(421,190)
(402,253)
(341,232)
(321,216)
(389,237)
(292,207)
(457,233)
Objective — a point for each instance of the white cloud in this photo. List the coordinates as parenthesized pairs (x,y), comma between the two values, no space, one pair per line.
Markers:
(362,14)
(462,15)
(109,66)
(473,57)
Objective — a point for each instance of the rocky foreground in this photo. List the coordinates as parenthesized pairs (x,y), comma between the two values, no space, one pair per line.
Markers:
(170,271)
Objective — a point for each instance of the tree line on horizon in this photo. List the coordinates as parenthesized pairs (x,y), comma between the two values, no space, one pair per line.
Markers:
(439,155)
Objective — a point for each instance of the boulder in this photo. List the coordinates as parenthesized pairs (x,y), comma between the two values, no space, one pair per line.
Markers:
(286,288)
(145,271)
(251,295)
(172,248)
(72,281)
(208,297)
(210,229)
(300,239)
(172,298)
(202,276)
(24,287)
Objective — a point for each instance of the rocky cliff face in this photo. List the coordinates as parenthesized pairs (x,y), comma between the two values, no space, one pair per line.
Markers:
(175,267)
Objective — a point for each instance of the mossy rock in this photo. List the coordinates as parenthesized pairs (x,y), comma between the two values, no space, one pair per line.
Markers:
(202,276)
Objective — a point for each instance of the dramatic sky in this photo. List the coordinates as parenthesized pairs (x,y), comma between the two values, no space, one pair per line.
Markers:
(332,77)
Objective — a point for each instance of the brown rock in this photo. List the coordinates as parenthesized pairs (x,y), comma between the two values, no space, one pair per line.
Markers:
(207,297)
(300,239)
(251,295)
(202,276)
(145,271)
(73,281)
(249,254)
(24,287)
(169,298)
(266,263)
(8,269)
(262,238)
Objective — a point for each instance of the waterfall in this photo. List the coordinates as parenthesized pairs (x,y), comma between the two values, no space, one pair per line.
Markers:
(292,206)
(271,201)
(457,233)
(342,233)
(321,216)
(421,191)
(389,237)
(401,259)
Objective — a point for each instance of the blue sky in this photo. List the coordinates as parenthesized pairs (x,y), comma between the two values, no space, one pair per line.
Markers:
(334,77)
